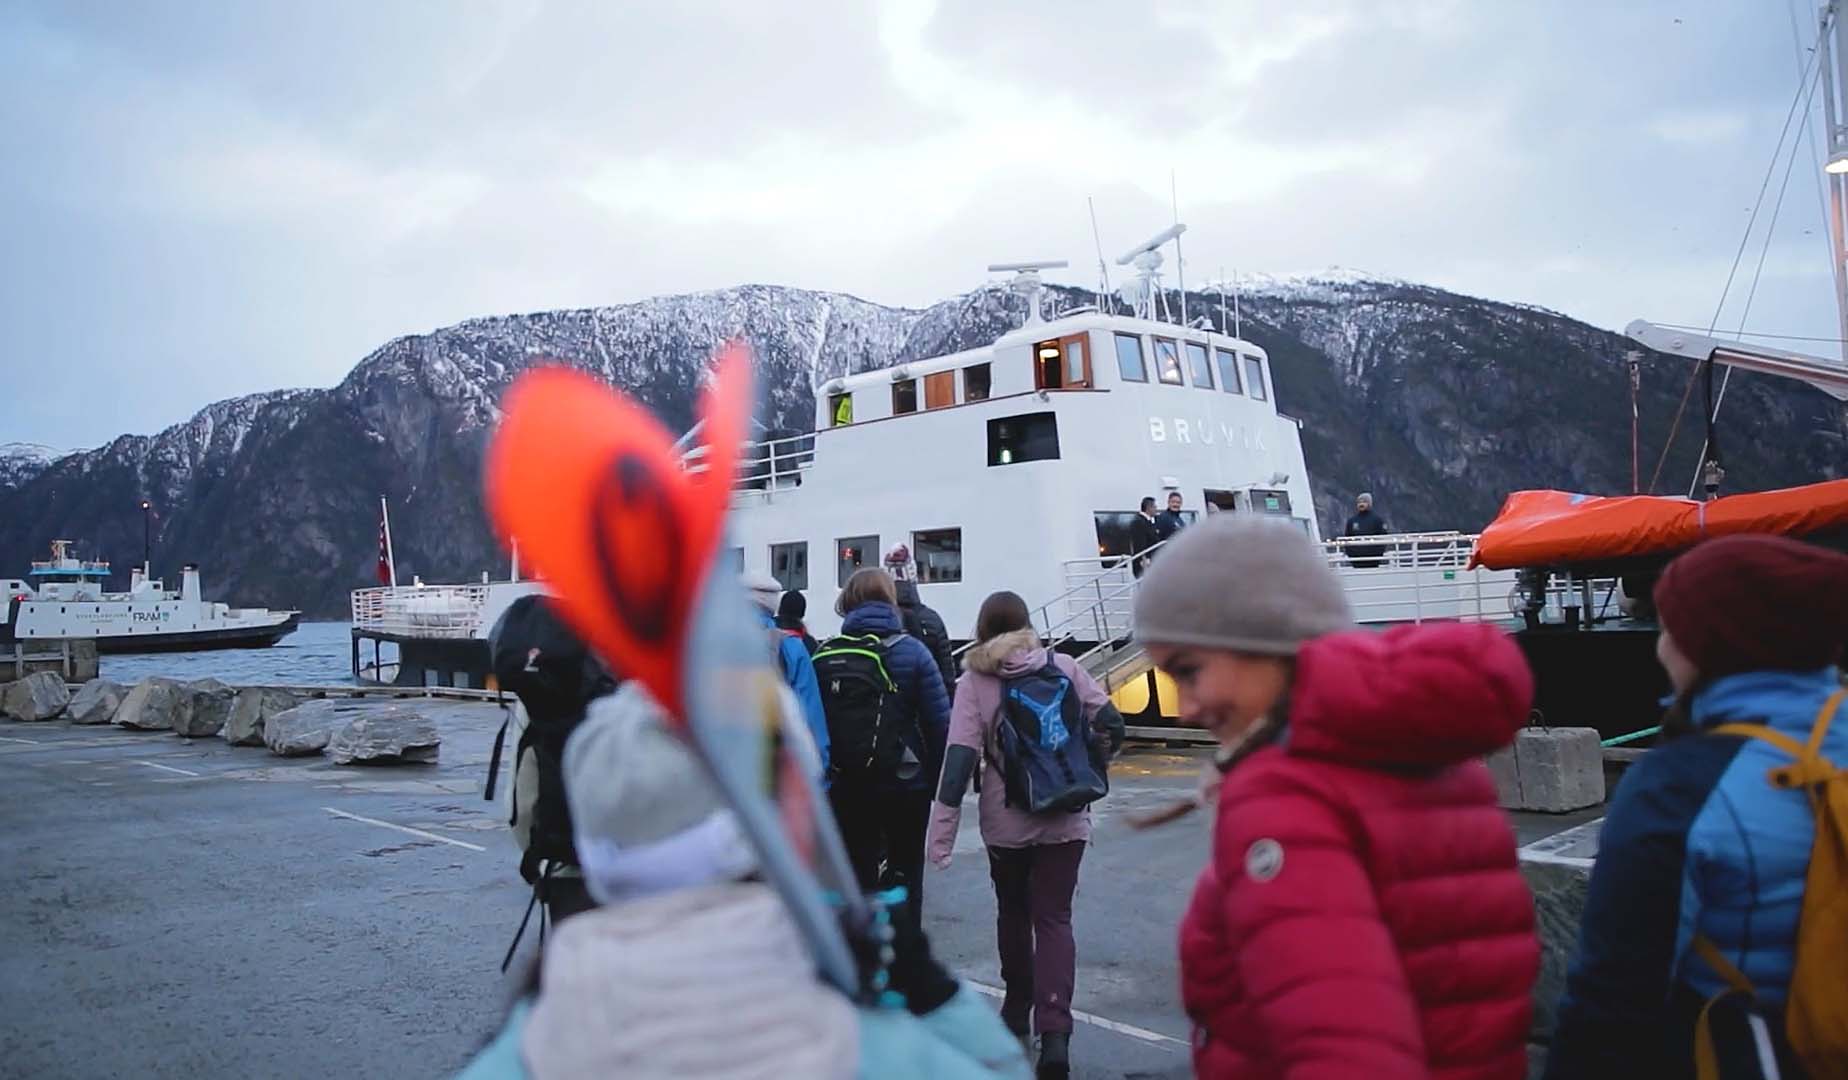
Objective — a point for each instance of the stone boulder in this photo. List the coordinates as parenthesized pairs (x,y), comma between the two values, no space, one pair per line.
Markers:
(208,706)
(1552,770)
(37,697)
(251,709)
(96,702)
(390,736)
(306,728)
(152,705)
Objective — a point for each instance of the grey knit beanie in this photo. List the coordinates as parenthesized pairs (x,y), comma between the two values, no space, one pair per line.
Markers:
(1242,582)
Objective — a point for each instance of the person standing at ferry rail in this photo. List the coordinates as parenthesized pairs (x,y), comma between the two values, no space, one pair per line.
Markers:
(1363,913)
(1171,520)
(1032,858)
(1365,523)
(888,716)
(1143,535)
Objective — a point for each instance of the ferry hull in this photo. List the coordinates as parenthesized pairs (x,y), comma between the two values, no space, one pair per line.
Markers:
(241,637)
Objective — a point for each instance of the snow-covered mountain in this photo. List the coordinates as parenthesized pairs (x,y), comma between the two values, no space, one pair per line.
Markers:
(1438,403)
(21,461)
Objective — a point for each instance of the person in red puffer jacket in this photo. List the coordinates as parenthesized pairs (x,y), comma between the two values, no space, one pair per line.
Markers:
(1363,914)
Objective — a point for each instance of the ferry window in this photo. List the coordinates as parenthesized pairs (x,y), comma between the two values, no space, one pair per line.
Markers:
(904,397)
(1129,358)
(1201,367)
(789,565)
(1028,437)
(1061,364)
(1077,363)
(840,410)
(975,382)
(1168,362)
(853,552)
(940,390)
(1254,378)
(1228,370)
(938,553)
(1114,534)
(1266,501)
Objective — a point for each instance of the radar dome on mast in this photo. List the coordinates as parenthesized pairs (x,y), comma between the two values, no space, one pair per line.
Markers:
(1145,292)
(1027,282)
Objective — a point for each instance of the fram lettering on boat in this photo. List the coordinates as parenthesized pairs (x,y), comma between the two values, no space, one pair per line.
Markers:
(150,616)
(1204,432)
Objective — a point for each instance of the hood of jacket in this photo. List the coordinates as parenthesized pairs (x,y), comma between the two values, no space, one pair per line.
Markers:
(634,988)
(1007,655)
(877,617)
(1424,696)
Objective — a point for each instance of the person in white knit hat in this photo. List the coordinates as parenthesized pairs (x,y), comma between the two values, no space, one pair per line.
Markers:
(692,966)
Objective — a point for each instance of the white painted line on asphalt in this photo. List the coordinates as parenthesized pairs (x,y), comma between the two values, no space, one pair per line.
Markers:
(1154,1038)
(168,768)
(9,738)
(404,829)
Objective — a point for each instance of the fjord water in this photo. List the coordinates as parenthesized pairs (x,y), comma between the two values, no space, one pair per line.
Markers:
(317,654)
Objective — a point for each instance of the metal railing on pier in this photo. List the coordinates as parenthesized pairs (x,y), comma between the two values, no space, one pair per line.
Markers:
(430,611)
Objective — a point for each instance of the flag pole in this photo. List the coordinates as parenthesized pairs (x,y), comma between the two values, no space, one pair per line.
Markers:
(391,562)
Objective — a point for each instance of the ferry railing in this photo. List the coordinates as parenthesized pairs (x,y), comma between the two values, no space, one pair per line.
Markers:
(428,611)
(764,467)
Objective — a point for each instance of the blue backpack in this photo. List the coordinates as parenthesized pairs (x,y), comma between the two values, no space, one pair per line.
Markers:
(1048,764)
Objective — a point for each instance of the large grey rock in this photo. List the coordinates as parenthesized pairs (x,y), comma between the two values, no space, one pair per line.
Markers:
(306,728)
(1551,770)
(36,697)
(251,710)
(208,705)
(96,702)
(390,736)
(1558,884)
(152,705)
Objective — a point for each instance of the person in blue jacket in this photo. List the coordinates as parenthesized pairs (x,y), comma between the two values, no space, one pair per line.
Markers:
(883,818)
(691,967)
(793,659)
(1697,841)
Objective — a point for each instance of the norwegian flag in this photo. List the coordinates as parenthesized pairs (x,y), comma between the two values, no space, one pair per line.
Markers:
(384,556)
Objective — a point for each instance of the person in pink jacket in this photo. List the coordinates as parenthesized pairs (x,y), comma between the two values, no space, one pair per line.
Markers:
(1032,858)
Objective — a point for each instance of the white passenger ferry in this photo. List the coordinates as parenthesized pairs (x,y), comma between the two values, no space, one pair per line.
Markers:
(1017,465)
(66,597)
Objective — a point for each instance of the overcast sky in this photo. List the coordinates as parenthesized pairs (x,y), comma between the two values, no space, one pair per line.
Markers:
(205,199)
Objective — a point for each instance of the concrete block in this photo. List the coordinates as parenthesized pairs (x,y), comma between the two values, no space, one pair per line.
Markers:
(1552,770)
(1558,870)
(1562,769)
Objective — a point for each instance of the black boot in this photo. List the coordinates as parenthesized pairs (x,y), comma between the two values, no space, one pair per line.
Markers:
(1055,1062)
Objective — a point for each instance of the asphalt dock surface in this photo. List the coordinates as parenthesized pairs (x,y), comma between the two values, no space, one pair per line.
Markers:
(183,907)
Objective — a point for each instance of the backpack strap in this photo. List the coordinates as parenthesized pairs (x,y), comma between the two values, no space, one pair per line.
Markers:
(1810,767)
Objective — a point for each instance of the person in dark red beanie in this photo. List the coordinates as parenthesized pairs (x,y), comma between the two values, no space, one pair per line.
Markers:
(1751,603)
(1698,842)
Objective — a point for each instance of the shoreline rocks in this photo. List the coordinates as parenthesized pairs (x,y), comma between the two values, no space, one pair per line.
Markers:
(96,702)
(152,705)
(36,698)
(251,709)
(390,736)
(208,706)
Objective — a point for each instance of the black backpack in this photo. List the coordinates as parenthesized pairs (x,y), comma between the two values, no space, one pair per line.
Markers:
(865,710)
(539,660)
(1048,764)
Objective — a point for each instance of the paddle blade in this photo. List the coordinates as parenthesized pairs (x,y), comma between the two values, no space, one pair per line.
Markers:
(590,486)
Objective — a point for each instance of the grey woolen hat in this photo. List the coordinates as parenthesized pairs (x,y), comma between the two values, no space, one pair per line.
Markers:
(630,781)
(1242,582)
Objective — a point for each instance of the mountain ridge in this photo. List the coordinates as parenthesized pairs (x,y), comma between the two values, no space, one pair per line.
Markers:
(1437,402)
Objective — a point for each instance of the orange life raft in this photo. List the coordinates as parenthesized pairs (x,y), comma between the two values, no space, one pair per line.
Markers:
(1549,528)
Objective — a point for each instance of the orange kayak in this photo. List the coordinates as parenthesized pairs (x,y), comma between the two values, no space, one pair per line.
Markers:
(1547,528)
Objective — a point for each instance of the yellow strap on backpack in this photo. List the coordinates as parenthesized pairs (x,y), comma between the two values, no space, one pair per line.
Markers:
(1816,1012)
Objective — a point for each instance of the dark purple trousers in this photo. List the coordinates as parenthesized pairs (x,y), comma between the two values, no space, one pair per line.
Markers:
(1033,927)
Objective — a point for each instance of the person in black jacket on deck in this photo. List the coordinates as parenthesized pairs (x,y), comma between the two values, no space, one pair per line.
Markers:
(1365,523)
(1143,534)
(1170,521)
(791,610)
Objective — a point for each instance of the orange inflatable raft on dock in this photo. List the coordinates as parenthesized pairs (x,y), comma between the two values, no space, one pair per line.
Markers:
(1551,528)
